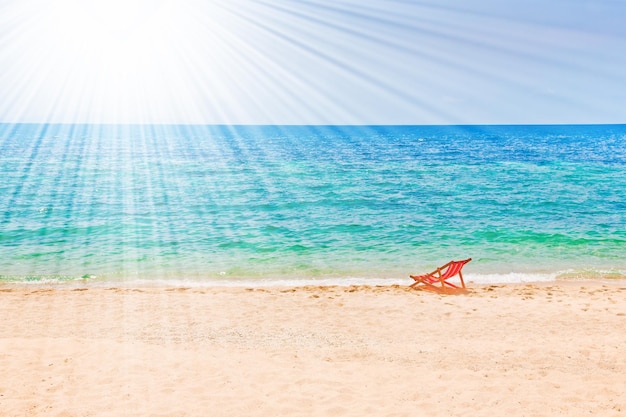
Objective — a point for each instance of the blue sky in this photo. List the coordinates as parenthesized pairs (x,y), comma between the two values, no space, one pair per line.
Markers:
(313,61)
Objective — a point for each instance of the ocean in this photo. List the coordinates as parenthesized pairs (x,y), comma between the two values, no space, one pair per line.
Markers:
(288,205)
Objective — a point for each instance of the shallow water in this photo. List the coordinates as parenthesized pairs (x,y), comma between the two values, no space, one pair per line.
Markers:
(308,203)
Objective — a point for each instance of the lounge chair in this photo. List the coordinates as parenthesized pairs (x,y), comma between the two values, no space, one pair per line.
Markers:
(438,280)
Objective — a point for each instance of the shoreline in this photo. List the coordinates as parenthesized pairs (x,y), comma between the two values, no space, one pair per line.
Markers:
(272,283)
(521,349)
(295,280)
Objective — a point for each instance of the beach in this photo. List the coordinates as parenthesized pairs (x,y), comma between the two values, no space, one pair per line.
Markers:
(556,348)
(216,208)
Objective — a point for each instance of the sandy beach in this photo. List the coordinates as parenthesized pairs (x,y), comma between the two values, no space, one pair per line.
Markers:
(517,350)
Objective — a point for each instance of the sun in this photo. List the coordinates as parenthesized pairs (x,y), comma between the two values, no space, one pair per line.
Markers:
(115,41)
(114,27)
(117,60)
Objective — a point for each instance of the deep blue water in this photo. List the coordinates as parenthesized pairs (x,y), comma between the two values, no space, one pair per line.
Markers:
(236,203)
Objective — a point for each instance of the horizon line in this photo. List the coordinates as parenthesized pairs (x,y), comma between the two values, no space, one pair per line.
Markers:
(308,125)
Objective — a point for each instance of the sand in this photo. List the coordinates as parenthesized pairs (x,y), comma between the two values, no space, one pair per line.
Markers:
(514,350)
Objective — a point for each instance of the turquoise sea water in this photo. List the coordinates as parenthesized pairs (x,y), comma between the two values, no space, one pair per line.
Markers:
(220,204)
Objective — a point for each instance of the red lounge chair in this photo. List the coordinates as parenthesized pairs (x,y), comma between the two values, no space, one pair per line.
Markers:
(438,279)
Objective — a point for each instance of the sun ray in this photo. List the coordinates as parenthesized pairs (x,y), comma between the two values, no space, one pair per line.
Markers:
(309,62)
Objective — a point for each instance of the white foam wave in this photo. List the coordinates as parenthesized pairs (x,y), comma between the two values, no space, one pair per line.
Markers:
(257,282)
(509,278)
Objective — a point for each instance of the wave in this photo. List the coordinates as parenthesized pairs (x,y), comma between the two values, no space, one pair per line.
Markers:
(301,281)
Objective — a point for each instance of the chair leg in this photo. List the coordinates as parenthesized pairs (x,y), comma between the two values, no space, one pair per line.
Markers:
(462,282)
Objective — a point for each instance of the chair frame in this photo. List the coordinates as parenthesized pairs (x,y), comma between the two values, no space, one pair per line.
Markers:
(437,280)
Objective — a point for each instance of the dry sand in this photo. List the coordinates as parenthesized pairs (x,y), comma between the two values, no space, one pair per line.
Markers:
(515,350)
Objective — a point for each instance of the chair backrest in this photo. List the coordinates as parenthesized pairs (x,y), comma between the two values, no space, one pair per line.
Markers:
(454,268)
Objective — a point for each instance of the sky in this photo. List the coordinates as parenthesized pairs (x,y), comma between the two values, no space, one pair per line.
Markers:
(359,62)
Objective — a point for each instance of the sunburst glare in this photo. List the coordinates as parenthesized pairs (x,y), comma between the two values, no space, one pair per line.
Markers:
(326,160)
(309,62)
